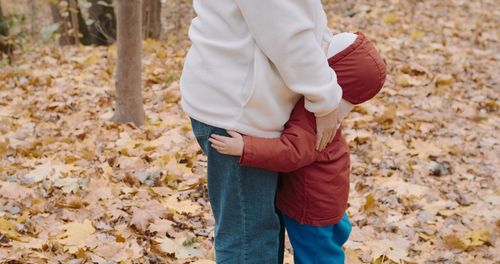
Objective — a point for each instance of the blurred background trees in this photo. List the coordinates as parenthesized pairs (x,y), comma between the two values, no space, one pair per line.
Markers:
(6,45)
(94,21)
(88,22)
(151,18)
(3,25)
(25,24)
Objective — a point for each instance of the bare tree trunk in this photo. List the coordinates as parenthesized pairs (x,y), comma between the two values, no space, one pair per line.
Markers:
(64,38)
(73,13)
(72,24)
(4,27)
(6,43)
(129,106)
(33,18)
(103,30)
(151,19)
(85,36)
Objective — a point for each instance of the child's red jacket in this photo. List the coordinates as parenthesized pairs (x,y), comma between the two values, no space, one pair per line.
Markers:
(314,186)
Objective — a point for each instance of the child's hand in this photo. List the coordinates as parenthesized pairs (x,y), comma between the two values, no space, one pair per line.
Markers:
(228,145)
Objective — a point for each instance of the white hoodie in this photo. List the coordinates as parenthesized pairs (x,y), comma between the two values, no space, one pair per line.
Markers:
(251,60)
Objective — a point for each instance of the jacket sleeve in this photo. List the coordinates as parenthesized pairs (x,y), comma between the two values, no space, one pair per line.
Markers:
(284,31)
(293,150)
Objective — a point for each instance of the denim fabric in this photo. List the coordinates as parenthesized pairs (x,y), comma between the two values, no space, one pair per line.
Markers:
(247,226)
(318,244)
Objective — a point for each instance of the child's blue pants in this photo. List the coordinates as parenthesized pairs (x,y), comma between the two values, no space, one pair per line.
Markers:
(318,244)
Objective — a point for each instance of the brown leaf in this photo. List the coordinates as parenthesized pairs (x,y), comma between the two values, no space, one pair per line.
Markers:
(142,217)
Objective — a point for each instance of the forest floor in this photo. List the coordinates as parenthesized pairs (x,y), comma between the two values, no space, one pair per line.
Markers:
(425,155)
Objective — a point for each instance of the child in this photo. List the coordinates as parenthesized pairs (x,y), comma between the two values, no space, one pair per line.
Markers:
(314,185)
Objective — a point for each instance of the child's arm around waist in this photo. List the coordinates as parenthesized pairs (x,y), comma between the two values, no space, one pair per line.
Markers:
(294,149)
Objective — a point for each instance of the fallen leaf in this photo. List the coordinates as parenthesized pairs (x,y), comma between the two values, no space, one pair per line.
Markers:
(182,248)
(75,234)
(15,191)
(185,206)
(142,217)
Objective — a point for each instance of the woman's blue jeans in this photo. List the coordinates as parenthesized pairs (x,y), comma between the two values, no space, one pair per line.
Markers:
(247,226)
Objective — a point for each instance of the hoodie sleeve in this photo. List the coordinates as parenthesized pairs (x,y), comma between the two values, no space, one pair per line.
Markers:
(284,31)
(293,150)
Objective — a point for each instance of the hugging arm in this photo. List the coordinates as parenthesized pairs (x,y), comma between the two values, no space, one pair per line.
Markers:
(285,32)
(293,150)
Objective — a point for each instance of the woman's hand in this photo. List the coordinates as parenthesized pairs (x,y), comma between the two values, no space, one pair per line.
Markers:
(336,117)
(345,107)
(228,145)
(326,128)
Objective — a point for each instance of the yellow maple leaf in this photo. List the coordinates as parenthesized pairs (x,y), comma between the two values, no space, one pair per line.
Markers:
(8,228)
(391,18)
(396,145)
(443,80)
(389,250)
(75,235)
(182,247)
(91,59)
(185,206)
(473,239)
(416,34)
(425,149)
(453,241)
(478,238)
(402,80)
(370,203)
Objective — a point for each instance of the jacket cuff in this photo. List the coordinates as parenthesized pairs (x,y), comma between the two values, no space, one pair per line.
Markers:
(246,156)
(331,105)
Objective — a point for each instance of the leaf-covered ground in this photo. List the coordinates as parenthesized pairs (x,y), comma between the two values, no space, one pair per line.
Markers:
(77,188)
